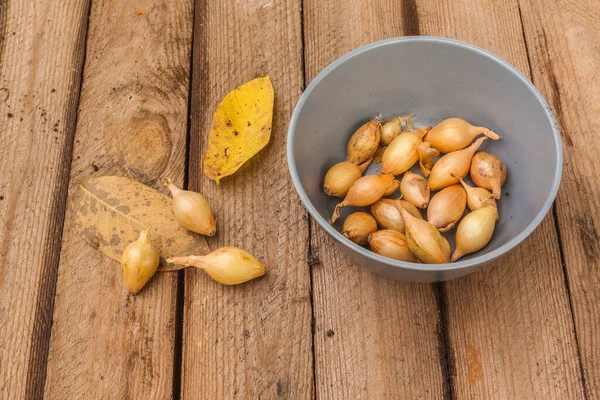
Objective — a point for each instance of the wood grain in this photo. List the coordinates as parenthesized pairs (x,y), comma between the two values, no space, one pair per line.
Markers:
(252,340)
(41,61)
(562,39)
(509,325)
(374,337)
(132,122)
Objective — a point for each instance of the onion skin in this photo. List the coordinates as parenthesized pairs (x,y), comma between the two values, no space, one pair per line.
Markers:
(340,178)
(452,167)
(364,142)
(358,226)
(426,155)
(392,188)
(392,244)
(474,231)
(488,172)
(365,191)
(447,207)
(455,134)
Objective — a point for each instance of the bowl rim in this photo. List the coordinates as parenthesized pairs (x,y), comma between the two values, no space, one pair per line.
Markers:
(475,261)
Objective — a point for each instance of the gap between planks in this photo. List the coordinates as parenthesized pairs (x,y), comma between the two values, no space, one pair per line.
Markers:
(180,299)
(36,382)
(311,256)
(557,224)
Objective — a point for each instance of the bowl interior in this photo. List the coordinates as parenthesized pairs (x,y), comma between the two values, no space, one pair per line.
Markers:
(436,79)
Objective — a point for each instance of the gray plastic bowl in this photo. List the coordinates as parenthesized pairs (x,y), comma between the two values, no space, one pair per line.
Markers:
(435,78)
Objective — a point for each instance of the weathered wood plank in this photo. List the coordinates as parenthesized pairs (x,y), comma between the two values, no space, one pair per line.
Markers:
(41,61)
(509,325)
(252,340)
(562,39)
(132,122)
(374,337)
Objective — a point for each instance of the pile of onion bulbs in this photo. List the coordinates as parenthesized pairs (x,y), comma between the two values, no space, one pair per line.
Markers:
(410,227)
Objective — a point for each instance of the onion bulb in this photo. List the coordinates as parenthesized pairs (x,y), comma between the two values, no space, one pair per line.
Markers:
(192,210)
(446,207)
(392,127)
(424,240)
(454,134)
(453,166)
(488,172)
(364,142)
(358,226)
(387,215)
(365,191)
(478,197)
(391,243)
(340,178)
(402,154)
(139,262)
(474,231)
(227,265)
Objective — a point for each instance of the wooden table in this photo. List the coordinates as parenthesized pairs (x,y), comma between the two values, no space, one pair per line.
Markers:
(99,87)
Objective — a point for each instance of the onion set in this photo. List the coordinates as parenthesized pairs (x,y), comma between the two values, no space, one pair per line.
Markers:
(358,226)
(488,172)
(364,142)
(340,178)
(454,134)
(447,154)
(227,265)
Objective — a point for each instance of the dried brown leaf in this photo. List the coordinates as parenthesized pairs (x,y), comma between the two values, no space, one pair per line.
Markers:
(110,212)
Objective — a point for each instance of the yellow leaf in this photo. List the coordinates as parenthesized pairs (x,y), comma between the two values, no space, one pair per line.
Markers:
(241,127)
(110,212)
